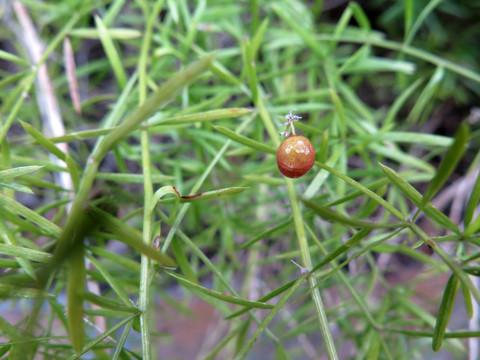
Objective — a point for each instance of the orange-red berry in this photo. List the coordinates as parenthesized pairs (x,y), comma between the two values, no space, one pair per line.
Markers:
(295,156)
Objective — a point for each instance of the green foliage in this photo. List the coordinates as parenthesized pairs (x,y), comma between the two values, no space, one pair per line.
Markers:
(167,179)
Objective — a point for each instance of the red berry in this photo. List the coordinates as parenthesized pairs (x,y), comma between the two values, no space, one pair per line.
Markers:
(295,156)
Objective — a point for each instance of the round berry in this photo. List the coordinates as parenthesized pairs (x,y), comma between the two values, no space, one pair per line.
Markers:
(295,156)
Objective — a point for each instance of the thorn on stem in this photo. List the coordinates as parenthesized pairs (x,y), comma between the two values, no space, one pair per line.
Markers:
(302,269)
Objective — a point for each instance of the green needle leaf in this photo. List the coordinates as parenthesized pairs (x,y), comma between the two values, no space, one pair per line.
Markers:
(244,140)
(472,202)
(18,171)
(412,194)
(449,163)
(445,311)
(335,217)
(218,295)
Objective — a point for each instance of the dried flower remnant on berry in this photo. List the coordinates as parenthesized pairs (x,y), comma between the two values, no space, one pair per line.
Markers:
(296,154)
(289,123)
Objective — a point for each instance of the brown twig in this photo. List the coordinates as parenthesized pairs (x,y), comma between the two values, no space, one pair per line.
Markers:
(70,67)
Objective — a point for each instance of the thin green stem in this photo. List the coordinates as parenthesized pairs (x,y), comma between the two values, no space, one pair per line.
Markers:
(300,231)
(307,263)
(144,294)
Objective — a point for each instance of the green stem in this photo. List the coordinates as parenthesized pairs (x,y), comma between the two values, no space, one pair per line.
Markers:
(307,263)
(300,231)
(144,294)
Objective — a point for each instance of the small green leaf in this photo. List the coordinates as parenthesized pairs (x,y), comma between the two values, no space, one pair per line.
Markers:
(399,102)
(374,346)
(24,253)
(363,189)
(208,195)
(425,98)
(282,226)
(132,178)
(445,312)
(17,187)
(15,208)
(335,217)
(472,202)
(258,37)
(340,112)
(10,291)
(104,335)
(113,33)
(245,140)
(306,34)
(467,300)
(213,195)
(16,172)
(107,303)
(408,11)
(131,237)
(473,227)
(416,198)
(263,179)
(341,25)
(322,153)
(407,137)
(411,32)
(242,334)
(360,16)
(448,164)
(218,295)
(81,135)
(111,51)
(10,239)
(267,297)
(75,290)
(205,116)
(182,260)
(111,280)
(367,65)
(42,140)
(250,67)
(115,258)
(164,190)
(280,352)
(472,270)
(264,324)
(417,255)
(354,240)
(401,157)
(13,58)
(74,171)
